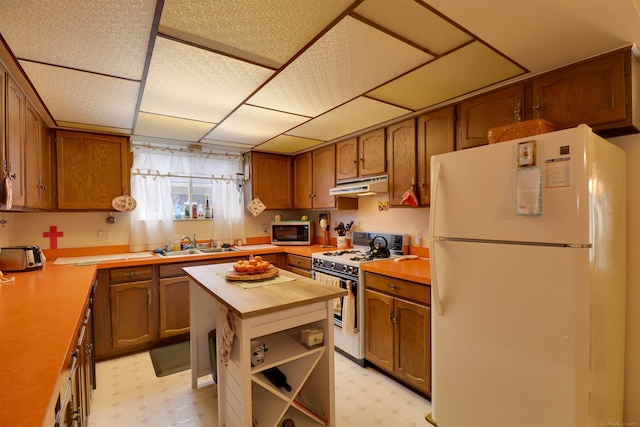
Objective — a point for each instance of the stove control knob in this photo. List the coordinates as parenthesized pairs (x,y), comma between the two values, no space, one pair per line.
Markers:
(350,270)
(333,265)
(355,270)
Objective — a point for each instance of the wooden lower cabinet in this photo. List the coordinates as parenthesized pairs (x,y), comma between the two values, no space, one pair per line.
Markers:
(142,307)
(133,313)
(126,311)
(174,306)
(398,330)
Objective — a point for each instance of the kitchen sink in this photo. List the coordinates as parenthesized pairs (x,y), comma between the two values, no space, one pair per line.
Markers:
(188,252)
(217,250)
(180,253)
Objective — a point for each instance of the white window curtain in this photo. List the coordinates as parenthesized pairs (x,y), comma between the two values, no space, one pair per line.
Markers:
(153,167)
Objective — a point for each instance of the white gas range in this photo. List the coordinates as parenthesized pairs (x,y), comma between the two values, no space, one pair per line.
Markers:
(342,266)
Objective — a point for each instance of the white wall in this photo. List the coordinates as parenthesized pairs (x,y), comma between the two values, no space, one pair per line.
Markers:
(403,220)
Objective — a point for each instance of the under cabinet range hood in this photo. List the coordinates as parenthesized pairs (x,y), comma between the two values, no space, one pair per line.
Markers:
(364,186)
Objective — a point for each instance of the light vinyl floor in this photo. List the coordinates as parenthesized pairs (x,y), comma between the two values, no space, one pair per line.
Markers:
(129,394)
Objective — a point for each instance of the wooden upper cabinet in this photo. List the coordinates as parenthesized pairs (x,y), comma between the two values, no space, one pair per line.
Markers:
(15,140)
(3,86)
(324,176)
(372,152)
(402,159)
(477,115)
(303,181)
(347,159)
(47,155)
(271,180)
(436,135)
(314,175)
(32,161)
(92,169)
(592,92)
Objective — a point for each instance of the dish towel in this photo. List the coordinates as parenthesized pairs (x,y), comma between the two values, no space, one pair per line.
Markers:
(333,281)
(228,332)
(349,311)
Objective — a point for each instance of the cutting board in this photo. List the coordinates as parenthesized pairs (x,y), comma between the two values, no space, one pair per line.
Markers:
(247,277)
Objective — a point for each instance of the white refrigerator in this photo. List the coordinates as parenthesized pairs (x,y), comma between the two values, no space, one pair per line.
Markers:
(528,262)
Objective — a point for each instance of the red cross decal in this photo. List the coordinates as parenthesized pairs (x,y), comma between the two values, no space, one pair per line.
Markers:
(53,235)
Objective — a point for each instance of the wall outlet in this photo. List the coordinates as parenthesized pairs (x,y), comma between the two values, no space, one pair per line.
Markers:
(104,236)
(264,228)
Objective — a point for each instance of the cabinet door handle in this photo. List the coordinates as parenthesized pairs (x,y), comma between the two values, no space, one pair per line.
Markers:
(516,112)
(391,318)
(392,286)
(149,296)
(133,273)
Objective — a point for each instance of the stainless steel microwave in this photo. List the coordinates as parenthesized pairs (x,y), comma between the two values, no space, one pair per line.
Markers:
(292,232)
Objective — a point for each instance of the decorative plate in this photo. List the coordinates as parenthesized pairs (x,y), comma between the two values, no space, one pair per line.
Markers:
(124,203)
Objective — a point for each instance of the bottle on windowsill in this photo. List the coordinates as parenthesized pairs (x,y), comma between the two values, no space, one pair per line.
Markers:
(207,207)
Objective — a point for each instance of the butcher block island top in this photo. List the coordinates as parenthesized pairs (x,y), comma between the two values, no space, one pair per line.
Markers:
(280,314)
(259,300)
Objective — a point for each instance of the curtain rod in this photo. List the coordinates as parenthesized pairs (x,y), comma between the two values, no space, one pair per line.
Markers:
(157,173)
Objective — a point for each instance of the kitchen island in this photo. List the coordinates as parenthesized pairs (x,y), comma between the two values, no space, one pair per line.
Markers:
(278,314)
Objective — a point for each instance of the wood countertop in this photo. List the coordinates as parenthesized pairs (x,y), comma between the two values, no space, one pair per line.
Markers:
(415,270)
(40,314)
(263,299)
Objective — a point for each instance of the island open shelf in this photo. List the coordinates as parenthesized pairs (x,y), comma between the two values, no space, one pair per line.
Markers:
(275,315)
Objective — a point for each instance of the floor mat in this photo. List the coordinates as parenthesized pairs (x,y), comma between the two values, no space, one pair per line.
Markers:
(170,359)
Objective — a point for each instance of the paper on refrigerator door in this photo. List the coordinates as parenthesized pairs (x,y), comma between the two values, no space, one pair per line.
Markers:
(529,191)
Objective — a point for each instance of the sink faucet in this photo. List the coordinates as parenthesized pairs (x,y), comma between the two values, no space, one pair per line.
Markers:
(192,243)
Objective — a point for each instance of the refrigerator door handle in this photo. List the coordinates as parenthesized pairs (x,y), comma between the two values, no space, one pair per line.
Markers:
(432,250)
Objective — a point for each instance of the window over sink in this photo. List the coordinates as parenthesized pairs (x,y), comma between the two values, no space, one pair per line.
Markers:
(161,177)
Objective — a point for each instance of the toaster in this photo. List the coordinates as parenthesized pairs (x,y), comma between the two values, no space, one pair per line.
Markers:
(21,258)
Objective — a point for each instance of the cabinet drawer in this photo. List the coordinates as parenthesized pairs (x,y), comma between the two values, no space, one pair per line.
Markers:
(131,274)
(398,287)
(172,270)
(298,261)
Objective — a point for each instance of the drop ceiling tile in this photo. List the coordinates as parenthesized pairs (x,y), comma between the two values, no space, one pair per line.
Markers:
(416,23)
(351,58)
(110,38)
(84,98)
(288,144)
(354,116)
(155,125)
(253,125)
(470,68)
(188,82)
(265,33)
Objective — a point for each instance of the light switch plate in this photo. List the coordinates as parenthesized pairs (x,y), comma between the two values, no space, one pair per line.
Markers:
(527,153)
